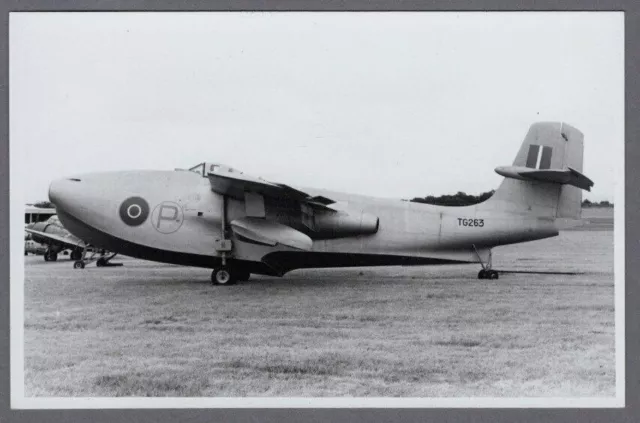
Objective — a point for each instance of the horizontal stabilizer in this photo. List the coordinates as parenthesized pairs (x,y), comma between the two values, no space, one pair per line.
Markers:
(270,233)
(568,176)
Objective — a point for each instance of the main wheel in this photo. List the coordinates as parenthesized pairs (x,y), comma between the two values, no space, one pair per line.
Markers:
(101,262)
(53,256)
(493,274)
(46,256)
(223,276)
(482,274)
(76,255)
(78,265)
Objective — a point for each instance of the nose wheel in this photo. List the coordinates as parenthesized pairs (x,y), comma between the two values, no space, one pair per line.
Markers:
(101,260)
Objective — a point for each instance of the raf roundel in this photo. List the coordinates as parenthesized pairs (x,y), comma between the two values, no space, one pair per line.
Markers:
(134,211)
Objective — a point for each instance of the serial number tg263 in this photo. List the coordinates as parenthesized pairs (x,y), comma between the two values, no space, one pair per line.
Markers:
(470,222)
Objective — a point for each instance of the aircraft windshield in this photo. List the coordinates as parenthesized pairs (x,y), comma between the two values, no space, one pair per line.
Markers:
(199,169)
(206,167)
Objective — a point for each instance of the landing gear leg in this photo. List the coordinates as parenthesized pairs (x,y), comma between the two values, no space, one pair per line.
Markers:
(224,274)
(50,255)
(79,263)
(486,272)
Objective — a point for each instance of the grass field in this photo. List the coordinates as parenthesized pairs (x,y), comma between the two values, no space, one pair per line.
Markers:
(148,329)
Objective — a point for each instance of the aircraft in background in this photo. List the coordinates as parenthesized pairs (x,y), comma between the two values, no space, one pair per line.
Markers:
(56,238)
(30,246)
(216,217)
(53,235)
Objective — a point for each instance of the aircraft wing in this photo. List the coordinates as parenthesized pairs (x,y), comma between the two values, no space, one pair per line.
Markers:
(321,215)
(235,184)
(68,242)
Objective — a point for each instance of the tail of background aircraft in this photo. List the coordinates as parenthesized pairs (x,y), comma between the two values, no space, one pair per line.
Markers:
(546,177)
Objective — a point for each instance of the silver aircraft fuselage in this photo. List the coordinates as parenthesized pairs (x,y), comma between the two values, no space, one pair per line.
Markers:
(182,219)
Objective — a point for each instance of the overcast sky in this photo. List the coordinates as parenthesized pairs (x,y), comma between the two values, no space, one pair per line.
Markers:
(384,104)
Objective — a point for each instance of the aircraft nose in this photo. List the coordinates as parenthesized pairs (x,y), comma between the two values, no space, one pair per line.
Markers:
(63,192)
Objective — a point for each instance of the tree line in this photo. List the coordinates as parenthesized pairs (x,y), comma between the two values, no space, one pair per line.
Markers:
(605,203)
(44,205)
(456,200)
(461,199)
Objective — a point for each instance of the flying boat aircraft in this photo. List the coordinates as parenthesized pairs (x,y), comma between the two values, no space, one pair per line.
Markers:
(217,217)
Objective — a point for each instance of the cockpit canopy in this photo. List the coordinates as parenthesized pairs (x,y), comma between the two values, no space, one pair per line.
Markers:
(206,167)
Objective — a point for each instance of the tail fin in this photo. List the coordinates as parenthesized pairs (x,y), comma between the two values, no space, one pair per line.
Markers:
(546,177)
